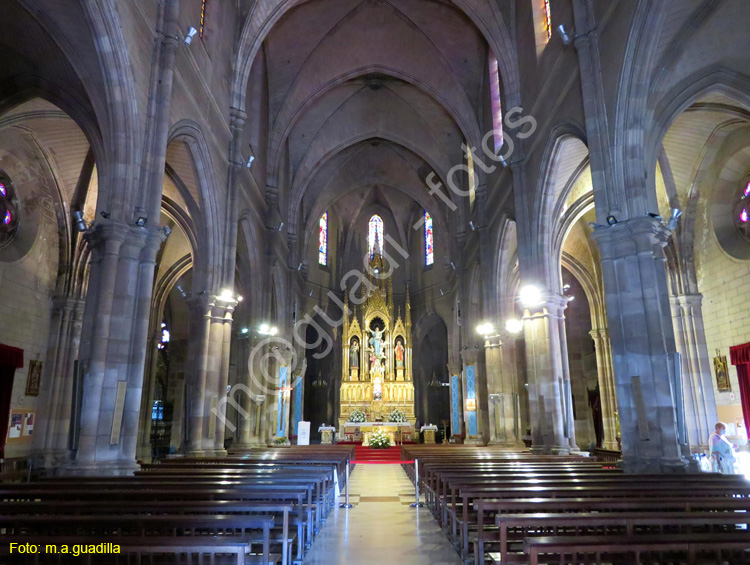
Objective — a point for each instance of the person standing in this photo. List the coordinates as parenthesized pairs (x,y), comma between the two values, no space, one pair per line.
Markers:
(722,450)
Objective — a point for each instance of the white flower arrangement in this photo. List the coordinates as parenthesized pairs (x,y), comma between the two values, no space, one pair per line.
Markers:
(357,416)
(396,416)
(380,440)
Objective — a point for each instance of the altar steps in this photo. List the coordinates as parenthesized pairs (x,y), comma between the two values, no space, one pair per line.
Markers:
(368,454)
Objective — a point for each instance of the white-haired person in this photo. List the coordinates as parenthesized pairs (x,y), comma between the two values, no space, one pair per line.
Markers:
(722,450)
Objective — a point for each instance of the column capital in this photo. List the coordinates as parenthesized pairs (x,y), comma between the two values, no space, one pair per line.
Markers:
(632,237)
(552,305)
(470,356)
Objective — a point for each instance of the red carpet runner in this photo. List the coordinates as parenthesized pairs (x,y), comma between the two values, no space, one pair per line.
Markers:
(369,455)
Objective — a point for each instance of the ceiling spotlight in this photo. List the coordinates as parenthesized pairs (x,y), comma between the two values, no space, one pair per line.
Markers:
(310,293)
(611,220)
(182,292)
(530,296)
(571,298)
(245,330)
(167,230)
(441,292)
(562,31)
(239,298)
(514,326)
(250,161)
(453,265)
(472,226)
(80,222)
(141,221)
(676,213)
(189,35)
(502,160)
(281,226)
(566,287)
(299,267)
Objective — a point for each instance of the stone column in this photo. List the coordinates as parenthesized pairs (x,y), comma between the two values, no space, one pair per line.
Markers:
(65,336)
(504,400)
(113,353)
(210,374)
(643,345)
(697,386)
(606,387)
(493,355)
(550,402)
(225,333)
(147,401)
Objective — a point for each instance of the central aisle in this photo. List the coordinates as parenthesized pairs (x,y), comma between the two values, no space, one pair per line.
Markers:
(381,528)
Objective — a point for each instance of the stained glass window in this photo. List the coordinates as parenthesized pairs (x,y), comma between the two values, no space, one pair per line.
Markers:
(323,239)
(548,19)
(497,108)
(429,241)
(8,210)
(375,235)
(203,17)
(472,177)
(741,210)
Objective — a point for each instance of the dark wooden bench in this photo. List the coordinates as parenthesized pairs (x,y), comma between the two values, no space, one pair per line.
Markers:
(687,546)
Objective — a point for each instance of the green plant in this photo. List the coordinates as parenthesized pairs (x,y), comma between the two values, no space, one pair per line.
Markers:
(357,416)
(396,415)
(280,440)
(380,440)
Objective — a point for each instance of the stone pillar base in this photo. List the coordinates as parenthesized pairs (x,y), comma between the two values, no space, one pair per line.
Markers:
(643,465)
(549,450)
(98,469)
(474,441)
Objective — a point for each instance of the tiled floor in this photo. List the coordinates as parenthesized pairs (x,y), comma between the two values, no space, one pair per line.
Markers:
(381,528)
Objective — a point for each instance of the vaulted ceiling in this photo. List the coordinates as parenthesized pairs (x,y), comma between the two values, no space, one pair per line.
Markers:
(369,94)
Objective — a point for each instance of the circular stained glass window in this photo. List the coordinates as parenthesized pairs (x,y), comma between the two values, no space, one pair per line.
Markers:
(8,210)
(741,210)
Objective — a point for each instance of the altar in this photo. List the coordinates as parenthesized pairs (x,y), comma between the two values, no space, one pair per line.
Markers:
(397,432)
(377,358)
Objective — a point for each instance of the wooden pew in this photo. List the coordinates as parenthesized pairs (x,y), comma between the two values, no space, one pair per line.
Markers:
(687,545)
(119,529)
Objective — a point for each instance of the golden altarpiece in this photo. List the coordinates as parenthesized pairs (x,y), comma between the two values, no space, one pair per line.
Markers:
(377,358)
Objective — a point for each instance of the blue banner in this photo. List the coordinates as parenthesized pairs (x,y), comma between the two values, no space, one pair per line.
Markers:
(280,407)
(455,406)
(298,392)
(471,394)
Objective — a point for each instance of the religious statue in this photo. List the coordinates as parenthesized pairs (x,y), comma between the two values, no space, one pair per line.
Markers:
(354,354)
(376,340)
(399,354)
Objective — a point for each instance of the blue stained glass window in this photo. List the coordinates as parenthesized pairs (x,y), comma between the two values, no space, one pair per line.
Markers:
(3,190)
(8,218)
(429,241)
(323,239)
(375,235)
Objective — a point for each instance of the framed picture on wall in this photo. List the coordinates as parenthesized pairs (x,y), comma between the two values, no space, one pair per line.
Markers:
(722,372)
(33,378)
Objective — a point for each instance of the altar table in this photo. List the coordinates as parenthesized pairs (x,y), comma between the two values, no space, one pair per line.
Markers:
(396,431)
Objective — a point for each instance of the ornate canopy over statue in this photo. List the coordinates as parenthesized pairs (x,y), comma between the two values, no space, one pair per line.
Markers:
(377,358)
